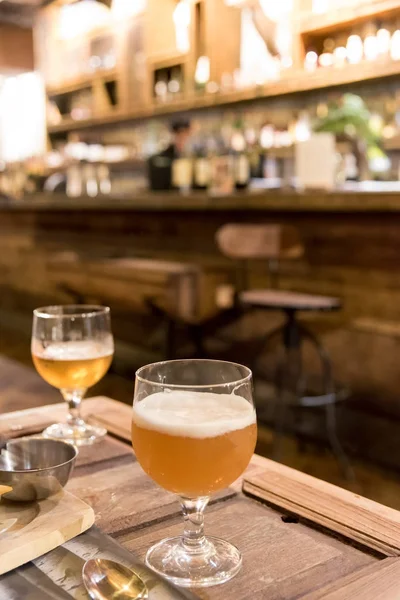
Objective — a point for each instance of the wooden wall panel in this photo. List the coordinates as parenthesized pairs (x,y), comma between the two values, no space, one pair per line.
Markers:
(354,256)
(222,37)
(16,49)
(160,30)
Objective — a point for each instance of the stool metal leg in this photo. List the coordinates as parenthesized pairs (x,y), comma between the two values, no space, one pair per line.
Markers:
(289,376)
(198,340)
(264,344)
(330,408)
(280,410)
(170,345)
(335,444)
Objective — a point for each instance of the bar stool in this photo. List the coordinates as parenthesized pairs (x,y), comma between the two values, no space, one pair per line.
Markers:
(272,244)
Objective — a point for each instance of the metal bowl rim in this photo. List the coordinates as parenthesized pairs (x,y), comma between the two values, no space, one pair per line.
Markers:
(41,469)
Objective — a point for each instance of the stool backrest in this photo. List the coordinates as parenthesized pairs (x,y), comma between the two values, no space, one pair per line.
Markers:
(252,241)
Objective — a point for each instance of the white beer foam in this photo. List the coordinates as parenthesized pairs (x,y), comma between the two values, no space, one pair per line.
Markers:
(193,414)
(77,350)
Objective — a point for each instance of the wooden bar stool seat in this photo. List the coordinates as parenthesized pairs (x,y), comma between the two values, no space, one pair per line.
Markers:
(273,244)
(287,300)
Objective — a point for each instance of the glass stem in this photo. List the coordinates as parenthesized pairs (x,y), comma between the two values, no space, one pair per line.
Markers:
(74,399)
(193,509)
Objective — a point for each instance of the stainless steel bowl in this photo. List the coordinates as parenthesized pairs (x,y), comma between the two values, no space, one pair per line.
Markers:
(35,467)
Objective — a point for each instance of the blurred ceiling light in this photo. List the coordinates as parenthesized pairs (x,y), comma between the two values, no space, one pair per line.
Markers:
(272,9)
(320,6)
(202,73)
(22,123)
(79,18)
(182,18)
(127,8)
(277,10)
(271,20)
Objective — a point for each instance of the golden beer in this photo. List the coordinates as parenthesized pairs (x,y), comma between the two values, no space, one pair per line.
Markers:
(193,443)
(72,365)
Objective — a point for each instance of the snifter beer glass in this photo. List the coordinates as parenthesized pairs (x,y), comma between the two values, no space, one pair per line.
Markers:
(72,349)
(194,431)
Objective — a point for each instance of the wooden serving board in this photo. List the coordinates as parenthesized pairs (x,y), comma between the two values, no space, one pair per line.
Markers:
(28,530)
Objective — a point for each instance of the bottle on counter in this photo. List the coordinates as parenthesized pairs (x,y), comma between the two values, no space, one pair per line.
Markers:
(240,159)
(74,180)
(182,173)
(222,169)
(395,43)
(355,49)
(201,168)
(242,171)
(383,40)
(351,172)
(311,60)
(104,179)
(340,53)
(90,179)
(326,59)
(371,47)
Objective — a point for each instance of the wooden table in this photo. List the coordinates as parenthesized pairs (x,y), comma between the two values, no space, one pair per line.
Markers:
(310,540)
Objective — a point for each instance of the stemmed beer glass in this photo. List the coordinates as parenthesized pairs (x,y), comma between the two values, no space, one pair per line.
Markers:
(194,432)
(72,349)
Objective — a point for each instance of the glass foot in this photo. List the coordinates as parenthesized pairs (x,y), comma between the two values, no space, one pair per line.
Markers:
(216,562)
(80,434)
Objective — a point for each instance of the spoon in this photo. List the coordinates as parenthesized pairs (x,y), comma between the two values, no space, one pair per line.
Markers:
(109,580)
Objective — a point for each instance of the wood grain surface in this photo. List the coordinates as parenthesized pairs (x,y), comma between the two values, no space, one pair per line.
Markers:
(29,530)
(375,582)
(100,409)
(280,560)
(283,558)
(343,512)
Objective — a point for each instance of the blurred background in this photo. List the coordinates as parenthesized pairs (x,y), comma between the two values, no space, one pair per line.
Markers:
(216,171)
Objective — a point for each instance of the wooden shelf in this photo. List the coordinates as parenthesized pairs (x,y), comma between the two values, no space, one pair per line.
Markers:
(346,16)
(298,82)
(82,82)
(392,144)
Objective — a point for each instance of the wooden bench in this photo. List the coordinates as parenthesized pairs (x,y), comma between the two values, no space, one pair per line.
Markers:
(182,290)
(180,294)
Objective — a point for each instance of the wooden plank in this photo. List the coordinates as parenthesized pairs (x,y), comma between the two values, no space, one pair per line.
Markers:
(111,494)
(113,415)
(16,49)
(280,560)
(108,450)
(100,410)
(345,16)
(32,529)
(217,14)
(350,515)
(377,581)
(299,81)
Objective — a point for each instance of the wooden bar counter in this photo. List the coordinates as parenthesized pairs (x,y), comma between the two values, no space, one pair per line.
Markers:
(352,250)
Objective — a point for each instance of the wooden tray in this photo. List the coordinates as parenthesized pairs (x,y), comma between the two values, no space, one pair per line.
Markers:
(28,530)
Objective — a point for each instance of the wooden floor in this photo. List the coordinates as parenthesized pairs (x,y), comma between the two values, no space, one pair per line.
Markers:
(21,387)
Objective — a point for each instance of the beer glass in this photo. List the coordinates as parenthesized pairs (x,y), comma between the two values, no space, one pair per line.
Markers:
(194,432)
(72,349)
